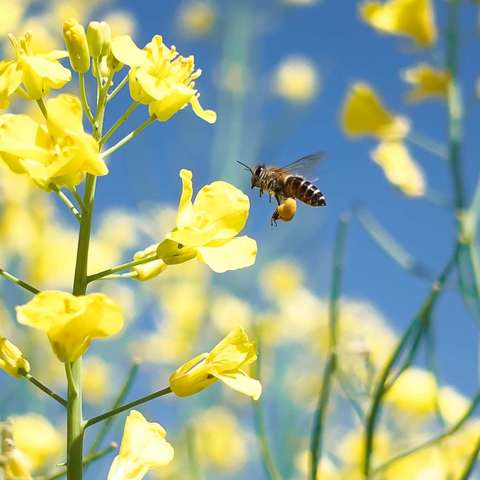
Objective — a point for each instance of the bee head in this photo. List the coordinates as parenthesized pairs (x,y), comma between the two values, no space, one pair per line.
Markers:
(256,175)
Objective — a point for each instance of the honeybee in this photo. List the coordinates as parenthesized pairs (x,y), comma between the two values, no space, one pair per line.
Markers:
(286,183)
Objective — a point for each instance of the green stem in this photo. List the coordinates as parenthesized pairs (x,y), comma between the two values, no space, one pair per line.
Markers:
(127,406)
(46,390)
(119,122)
(78,198)
(128,137)
(380,389)
(316,441)
(192,453)
(118,401)
(117,89)
(84,99)
(17,281)
(432,441)
(119,268)
(64,198)
(428,145)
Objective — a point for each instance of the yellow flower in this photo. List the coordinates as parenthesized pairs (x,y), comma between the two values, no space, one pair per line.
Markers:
(364,115)
(15,9)
(223,363)
(227,310)
(281,279)
(39,73)
(160,78)
(121,22)
(218,431)
(14,465)
(96,377)
(400,168)
(70,322)
(453,405)
(351,448)
(428,82)
(413,18)
(37,439)
(143,447)
(422,465)
(12,359)
(414,392)
(197,18)
(59,152)
(296,79)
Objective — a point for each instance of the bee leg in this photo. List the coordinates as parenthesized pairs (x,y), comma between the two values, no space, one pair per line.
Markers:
(277,198)
(269,198)
(261,192)
(275,217)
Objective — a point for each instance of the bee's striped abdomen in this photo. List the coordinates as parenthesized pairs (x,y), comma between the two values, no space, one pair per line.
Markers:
(304,190)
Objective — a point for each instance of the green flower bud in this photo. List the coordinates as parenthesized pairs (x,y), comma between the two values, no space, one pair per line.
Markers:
(77,45)
(99,36)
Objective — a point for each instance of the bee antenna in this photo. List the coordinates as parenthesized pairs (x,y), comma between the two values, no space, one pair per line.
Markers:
(246,166)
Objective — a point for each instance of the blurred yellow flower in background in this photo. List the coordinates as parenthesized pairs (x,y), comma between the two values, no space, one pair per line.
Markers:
(71,322)
(227,311)
(422,465)
(296,79)
(96,379)
(452,404)
(143,447)
(400,168)
(412,18)
(15,9)
(121,22)
(197,17)
(161,78)
(39,73)
(37,439)
(414,392)
(280,279)
(427,82)
(326,468)
(59,152)
(363,114)
(223,363)
(218,431)
(45,39)
(12,360)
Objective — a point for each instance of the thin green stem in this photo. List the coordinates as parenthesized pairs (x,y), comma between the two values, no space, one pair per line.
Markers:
(84,99)
(380,389)
(78,198)
(122,119)
(128,137)
(195,470)
(433,441)
(102,103)
(68,203)
(119,268)
(102,433)
(46,389)
(316,440)
(17,281)
(127,406)
(117,89)
(428,145)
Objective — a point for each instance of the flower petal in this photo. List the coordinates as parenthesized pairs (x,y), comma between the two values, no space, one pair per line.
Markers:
(125,50)
(241,382)
(209,116)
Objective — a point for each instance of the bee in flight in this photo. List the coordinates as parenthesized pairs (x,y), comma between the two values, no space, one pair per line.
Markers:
(287,184)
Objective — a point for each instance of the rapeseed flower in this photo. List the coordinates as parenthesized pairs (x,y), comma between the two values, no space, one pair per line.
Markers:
(412,18)
(71,322)
(223,363)
(38,73)
(59,152)
(427,82)
(363,114)
(143,447)
(400,168)
(12,360)
(197,18)
(160,78)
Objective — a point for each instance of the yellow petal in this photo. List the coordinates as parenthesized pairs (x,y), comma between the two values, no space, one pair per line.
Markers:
(241,382)
(125,51)
(167,101)
(399,168)
(239,252)
(413,18)
(363,114)
(428,82)
(233,352)
(10,80)
(185,208)
(210,116)
(64,113)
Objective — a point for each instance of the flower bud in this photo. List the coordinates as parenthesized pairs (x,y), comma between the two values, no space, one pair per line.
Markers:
(77,45)
(99,36)
(12,359)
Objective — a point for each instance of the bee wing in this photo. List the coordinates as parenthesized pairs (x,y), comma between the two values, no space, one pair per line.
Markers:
(305,165)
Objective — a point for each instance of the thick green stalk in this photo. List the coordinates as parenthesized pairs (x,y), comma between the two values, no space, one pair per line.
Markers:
(316,441)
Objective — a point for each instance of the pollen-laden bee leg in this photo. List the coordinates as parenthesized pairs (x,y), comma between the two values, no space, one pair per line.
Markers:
(278,199)
(260,192)
(275,217)
(269,198)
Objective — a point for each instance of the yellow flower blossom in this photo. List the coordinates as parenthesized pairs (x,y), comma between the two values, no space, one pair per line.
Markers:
(223,363)
(15,9)
(364,115)
(227,310)
(197,18)
(14,465)
(143,447)
(281,278)
(453,405)
(71,322)
(400,168)
(59,152)
(351,448)
(412,18)
(427,82)
(414,392)
(121,22)
(96,377)
(218,431)
(296,79)
(37,439)
(422,465)
(160,78)
(12,360)
(38,73)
